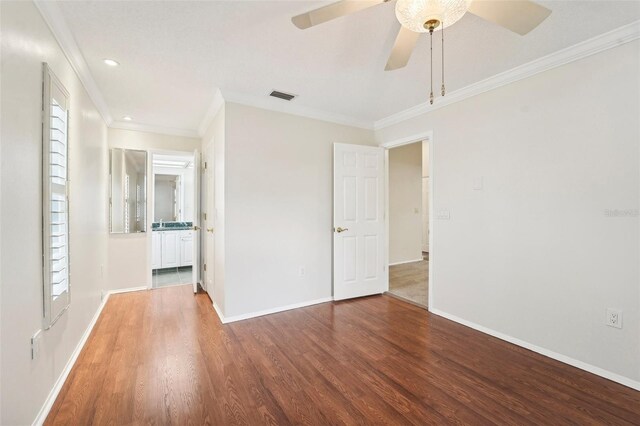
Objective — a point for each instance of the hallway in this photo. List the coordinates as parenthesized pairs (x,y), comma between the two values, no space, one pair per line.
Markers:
(163,357)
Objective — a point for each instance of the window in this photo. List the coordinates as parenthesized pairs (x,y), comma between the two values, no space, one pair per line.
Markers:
(55,215)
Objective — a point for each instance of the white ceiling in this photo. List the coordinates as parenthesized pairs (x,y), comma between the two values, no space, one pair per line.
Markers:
(175,55)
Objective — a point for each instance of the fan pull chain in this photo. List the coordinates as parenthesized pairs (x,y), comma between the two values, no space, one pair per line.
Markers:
(431,64)
(443,91)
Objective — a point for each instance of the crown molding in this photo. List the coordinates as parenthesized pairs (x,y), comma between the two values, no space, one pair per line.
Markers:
(52,15)
(216,104)
(578,51)
(290,107)
(171,131)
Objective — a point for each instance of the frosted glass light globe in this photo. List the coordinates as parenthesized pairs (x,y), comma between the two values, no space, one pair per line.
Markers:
(413,14)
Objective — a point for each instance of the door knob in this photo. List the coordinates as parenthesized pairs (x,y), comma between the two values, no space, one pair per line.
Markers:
(196,228)
(210,230)
(339,229)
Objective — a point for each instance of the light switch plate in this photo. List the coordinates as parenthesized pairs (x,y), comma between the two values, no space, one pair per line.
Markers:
(443,215)
(477,183)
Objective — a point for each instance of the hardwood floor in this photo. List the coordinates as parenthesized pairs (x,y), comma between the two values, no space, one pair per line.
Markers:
(411,281)
(163,357)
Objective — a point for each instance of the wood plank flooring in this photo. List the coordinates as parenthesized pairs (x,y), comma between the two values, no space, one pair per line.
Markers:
(411,281)
(163,357)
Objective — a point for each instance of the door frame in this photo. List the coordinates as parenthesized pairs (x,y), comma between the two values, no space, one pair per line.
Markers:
(419,137)
(150,203)
(207,178)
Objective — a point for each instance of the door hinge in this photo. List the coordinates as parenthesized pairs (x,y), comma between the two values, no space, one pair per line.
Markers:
(205,165)
(204,267)
(205,216)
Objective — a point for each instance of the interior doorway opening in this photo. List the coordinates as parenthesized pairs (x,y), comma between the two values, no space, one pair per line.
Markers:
(408,213)
(174,211)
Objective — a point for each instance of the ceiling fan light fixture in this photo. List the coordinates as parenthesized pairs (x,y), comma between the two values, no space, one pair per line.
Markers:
(419,15)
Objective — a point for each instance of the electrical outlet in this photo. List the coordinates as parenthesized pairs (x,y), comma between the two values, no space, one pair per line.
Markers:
(35,344)
(302,271)
(614,318)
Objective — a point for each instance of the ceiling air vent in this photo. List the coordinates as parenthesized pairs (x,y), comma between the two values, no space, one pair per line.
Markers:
(281,95)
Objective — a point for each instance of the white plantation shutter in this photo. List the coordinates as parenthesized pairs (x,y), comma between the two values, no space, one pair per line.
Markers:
(55,156)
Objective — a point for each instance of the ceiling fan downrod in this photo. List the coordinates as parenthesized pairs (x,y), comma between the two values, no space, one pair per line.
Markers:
(431,25)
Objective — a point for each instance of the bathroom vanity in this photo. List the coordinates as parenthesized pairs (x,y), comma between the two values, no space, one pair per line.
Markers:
(172,245)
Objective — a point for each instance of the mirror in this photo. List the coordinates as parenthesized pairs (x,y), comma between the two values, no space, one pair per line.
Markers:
(167,198)
(128,191)
(173,188)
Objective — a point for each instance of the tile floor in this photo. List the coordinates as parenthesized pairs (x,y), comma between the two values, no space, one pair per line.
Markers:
(411,281)
(172,276)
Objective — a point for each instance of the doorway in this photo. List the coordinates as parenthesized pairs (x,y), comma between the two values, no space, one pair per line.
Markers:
(174,209)
(408,171)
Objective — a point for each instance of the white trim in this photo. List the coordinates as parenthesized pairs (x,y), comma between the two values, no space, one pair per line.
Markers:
(219,312)
(128,290)
(172,131)
(290,107)
(216,104)
(418,137)
(546,352)
(51,398)
(406,261)
(226,320)
(52,15)
(578,51)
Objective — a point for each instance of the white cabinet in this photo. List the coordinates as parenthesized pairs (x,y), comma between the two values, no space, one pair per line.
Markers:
(171,249)
(156,250)
(170,254)
(186,248)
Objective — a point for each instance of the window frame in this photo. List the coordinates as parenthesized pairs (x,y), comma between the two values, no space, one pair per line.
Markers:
(54,305)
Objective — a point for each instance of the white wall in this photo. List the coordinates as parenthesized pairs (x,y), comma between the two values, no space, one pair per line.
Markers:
(26,43)
(278,207)
(129,253)
(405,203)
(533,255)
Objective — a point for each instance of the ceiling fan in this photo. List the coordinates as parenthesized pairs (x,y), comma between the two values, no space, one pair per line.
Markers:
(428,16)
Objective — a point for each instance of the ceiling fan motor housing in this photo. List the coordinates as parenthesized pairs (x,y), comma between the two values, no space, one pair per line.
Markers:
(424,16)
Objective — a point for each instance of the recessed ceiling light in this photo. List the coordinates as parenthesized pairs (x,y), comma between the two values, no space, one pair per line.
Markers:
(127,118)
(111,62)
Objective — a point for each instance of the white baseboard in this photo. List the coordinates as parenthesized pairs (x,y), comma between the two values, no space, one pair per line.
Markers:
(226,320)
(128,290)
(51,398)
(219,312)
(542,351)
(406,261)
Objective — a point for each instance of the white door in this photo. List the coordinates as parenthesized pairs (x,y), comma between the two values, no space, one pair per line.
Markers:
(170,254)
(195,238)
(208,218)
(358,220)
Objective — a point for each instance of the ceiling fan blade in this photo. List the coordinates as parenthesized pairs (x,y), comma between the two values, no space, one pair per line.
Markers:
(402,49)
(332,11)
(519,16)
